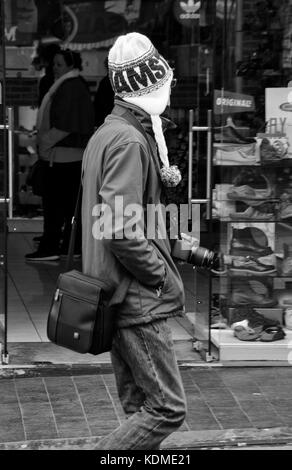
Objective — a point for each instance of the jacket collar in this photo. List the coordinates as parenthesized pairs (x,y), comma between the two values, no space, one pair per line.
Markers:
(140,114)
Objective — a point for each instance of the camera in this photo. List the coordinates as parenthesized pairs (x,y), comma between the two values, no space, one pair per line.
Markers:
(198,256)
(203,258)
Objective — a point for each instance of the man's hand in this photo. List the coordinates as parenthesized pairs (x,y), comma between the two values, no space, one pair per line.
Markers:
(182,248)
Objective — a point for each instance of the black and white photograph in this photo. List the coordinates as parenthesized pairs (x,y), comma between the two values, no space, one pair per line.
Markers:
(145,229)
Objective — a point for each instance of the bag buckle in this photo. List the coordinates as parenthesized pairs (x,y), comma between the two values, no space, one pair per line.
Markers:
(57,293)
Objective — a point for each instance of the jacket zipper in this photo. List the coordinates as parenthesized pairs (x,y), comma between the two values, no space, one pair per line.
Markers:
(59,294)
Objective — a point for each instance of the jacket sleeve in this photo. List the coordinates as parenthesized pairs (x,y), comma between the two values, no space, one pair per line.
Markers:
(122,192)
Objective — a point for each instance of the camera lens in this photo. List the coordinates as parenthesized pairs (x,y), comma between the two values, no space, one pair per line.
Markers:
(202,257)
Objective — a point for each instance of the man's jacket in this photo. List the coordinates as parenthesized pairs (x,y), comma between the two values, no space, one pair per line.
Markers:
(120,183)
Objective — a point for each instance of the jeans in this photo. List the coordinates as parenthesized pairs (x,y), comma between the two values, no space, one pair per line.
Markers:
(149,387)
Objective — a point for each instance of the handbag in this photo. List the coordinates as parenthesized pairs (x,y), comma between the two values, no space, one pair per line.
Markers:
(81,316)
(36,177)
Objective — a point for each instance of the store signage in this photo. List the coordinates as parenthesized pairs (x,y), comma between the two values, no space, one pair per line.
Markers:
(230,102)
(27,20)
(88,23)
(187,11)
(10,33)
(278,106)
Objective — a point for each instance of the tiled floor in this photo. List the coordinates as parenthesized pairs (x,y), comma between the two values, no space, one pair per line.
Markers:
(71,406)
(30,290)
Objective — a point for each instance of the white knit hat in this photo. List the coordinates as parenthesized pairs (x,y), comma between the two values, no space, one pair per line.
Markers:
(141,76)
(135,67)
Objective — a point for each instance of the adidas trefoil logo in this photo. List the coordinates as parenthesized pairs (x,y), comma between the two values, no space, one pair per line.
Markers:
(190,6)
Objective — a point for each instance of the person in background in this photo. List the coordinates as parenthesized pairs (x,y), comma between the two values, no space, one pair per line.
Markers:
(65,122)
(103,99)
(45,60)
(121,159)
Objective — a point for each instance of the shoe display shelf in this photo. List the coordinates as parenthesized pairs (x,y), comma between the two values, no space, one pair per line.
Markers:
(252,201)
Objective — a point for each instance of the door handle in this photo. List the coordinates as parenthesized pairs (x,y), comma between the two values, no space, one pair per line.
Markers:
(207,129)
(9,124)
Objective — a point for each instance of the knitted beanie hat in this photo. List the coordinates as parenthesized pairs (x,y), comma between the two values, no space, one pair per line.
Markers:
(140,75)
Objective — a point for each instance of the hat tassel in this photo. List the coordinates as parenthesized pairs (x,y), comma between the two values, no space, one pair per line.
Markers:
(170,175)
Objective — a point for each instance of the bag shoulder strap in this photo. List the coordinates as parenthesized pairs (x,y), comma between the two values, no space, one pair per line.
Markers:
(128,116)
(69,263)
(119,294)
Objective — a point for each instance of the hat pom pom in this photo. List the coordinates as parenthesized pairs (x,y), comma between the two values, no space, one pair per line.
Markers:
(170,176)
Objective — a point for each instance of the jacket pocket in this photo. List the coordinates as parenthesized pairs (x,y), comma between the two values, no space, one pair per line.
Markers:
(173,284)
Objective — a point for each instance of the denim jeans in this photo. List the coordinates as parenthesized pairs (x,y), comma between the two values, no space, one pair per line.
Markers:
(149,386)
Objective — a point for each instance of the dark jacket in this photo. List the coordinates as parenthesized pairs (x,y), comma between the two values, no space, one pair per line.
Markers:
(72,111)
(103,101)
(120,161)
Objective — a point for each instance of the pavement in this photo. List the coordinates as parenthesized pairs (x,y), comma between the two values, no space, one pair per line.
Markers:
(71,406)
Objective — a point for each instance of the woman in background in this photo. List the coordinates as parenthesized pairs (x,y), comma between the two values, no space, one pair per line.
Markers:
(65,123)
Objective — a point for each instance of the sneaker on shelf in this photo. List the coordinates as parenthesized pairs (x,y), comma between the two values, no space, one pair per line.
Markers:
(249,195)
(236,154)
(273,149)
(252,214)
(244,243)
(252,196)
(250,265)
(239,248)
(240,324)
(231,135)
(248,334)
(273,333)
(247,316)
(244,295)
(42,256)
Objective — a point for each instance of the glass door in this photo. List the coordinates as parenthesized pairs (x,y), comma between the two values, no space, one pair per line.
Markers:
(4,198)
(208,46)
(228,104)
(200,168)
(189,34)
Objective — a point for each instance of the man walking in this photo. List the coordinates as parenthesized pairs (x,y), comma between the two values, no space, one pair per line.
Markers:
(126,163)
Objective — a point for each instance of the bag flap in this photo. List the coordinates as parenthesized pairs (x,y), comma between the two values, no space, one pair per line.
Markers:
(86,287)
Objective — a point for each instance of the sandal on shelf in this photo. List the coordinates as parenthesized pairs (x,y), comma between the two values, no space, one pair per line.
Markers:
(248,334)
(272,333)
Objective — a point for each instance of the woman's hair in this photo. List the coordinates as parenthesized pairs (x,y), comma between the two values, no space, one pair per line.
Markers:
(71,58)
